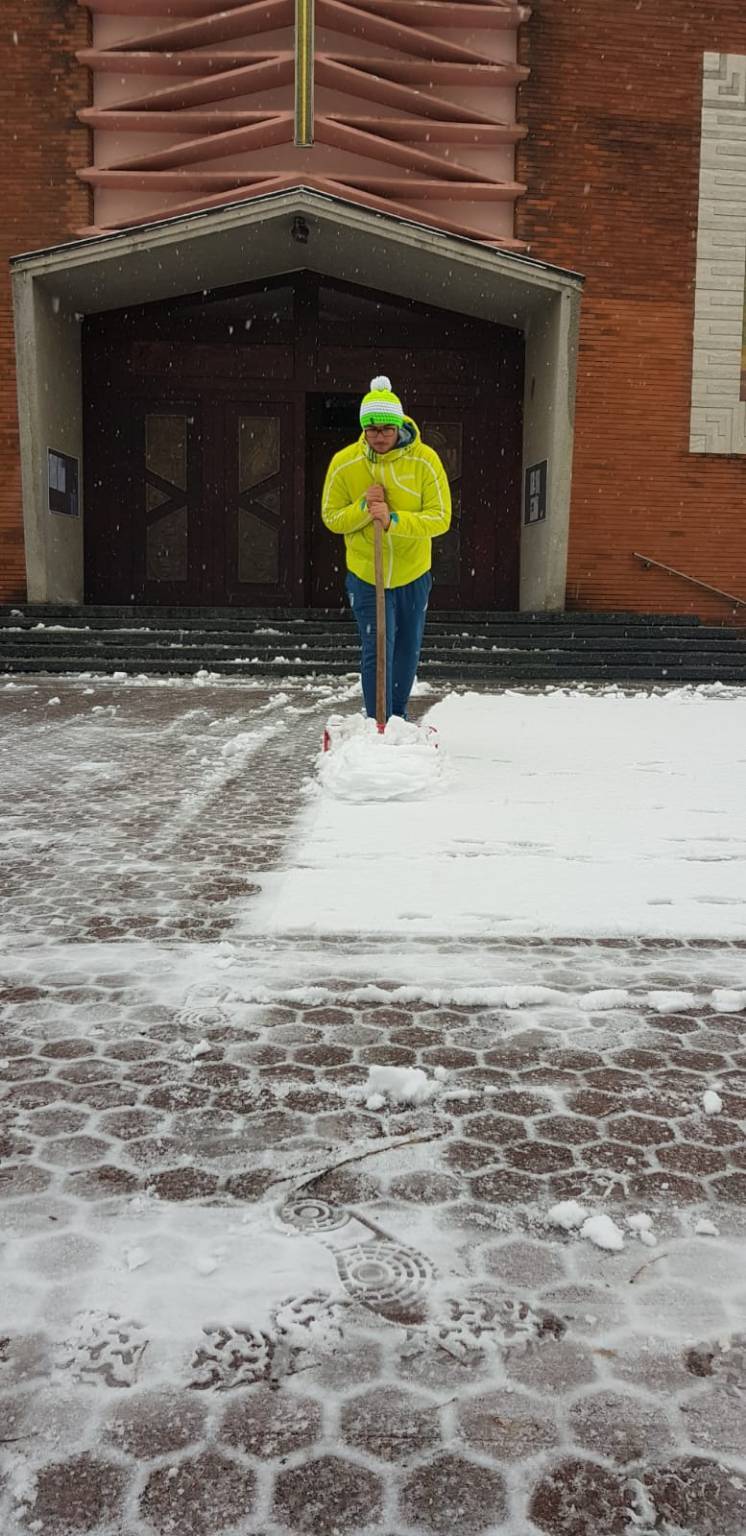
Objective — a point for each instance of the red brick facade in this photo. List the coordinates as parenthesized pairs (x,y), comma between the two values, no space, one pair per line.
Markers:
(41,88)
(612,163)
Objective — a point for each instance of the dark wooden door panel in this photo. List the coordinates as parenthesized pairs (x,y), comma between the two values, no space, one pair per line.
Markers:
(207,440)
(258,502)
(168,486)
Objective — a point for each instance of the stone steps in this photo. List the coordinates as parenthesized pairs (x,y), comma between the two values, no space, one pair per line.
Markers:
(458,646)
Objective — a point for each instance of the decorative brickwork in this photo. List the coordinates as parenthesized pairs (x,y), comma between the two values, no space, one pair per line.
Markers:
(42,86)
(613,113)
(612,161)
(718,411)
(414,108)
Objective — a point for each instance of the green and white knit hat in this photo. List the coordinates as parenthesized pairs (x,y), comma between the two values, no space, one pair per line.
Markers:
(381,407)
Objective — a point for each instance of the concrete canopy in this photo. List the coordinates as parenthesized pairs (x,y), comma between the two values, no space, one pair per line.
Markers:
(266,237)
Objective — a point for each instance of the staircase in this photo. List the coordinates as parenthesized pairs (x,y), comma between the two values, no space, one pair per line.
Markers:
(459,647)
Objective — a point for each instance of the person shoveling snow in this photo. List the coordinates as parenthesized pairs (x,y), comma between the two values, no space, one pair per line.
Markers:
(359,763)
(387,494)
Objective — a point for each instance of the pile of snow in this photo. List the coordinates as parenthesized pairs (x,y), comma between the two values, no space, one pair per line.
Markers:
(244,744)
(643,1226)
(728,1000)
(671,1002)
(599,1229)
(648,804)
(400,1085)
(711,1102)
(401,763)
(568,1214)
(603,1232)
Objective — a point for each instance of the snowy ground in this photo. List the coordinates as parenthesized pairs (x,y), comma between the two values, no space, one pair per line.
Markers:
(253,1284)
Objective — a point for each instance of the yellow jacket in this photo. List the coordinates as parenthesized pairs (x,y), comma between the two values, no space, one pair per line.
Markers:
(417,495)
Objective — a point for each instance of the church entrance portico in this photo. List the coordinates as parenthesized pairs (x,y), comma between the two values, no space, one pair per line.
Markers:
(210,422)
(206,369)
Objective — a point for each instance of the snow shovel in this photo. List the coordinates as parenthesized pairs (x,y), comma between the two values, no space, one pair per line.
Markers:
(380,629)
(380,639)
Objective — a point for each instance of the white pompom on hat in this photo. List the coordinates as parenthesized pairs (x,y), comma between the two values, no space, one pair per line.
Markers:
(381,407)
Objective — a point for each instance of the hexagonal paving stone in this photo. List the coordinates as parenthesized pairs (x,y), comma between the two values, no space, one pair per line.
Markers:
(587,1309)
(250,1185)
(344,1186)
(201,1496)
(56,1122)
(731,1187)
(715,1420)
(579,1498)
(89,1071)
(327,1494)
(23,1179)
(79,1494)
(718,1264)
(100,1182)
(673,1306)
(506,1186)
(24,1357)
(557,1366)
(353,1360)
(539,1156)
(21,1068)
(566,1128)
(68,1048)
(508,1425)
(642,1130)
(526,1264)
(425,1187)
(469,1156)
(151,1424)
(183,1184)
(387,1056)
(497,1128)
(271,1424)
(653,1366)
(620,1426)
(664,1186)
(390,1423)
(127,1123)
(72,1151)
(63,1254)
(697,1496)
(453,1493)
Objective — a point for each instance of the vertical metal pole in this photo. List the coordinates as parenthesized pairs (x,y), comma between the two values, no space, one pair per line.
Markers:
(381,681)
(304,60)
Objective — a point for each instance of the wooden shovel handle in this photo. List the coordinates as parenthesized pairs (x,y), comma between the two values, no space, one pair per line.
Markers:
(380,627)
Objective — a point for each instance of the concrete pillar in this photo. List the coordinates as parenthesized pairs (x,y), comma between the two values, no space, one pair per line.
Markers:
(548,429)
(50,405)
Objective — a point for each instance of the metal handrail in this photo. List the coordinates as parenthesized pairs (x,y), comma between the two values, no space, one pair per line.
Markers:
(647,561)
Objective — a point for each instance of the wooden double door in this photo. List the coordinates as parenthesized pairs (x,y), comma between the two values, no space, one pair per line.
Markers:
(204,462)
(191,501)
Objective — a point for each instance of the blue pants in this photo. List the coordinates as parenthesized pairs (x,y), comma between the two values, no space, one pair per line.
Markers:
(406,611)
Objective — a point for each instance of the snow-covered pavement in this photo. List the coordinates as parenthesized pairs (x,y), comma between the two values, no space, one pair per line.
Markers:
(251,1284)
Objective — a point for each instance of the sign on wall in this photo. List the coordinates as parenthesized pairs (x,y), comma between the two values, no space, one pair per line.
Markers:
(63,483)
(535,505)
(718,419)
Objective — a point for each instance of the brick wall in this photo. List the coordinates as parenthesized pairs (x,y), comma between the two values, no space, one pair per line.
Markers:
(614,108)
(41,88)
(612,163)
